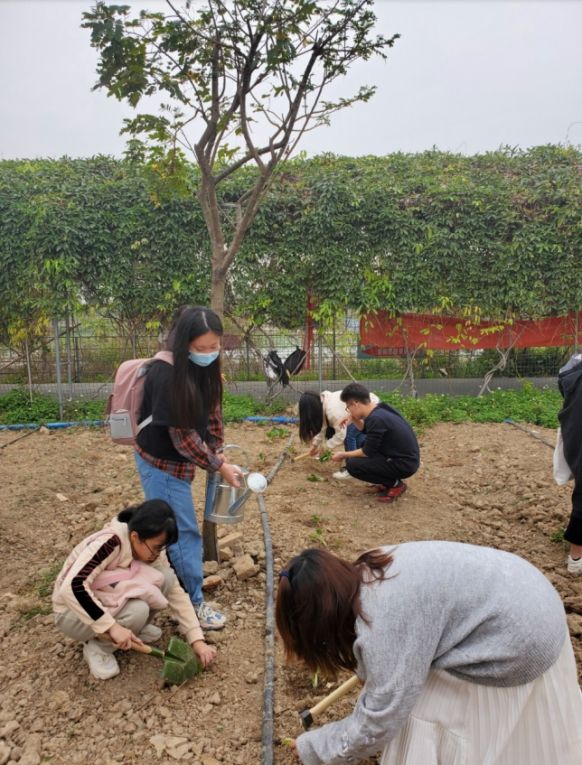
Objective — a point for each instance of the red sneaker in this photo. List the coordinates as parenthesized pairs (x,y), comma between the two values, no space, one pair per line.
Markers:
(397,489)
(392,494)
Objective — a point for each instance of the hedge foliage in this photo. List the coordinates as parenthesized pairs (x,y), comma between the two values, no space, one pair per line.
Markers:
(497,234)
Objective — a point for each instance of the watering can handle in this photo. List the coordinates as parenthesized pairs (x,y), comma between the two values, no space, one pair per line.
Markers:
(235,446)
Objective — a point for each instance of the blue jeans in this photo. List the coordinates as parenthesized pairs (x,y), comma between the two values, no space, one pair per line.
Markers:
(186,554)
(354,438)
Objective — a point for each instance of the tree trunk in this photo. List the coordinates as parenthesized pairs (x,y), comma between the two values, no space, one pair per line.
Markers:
(217,290)
(209,535)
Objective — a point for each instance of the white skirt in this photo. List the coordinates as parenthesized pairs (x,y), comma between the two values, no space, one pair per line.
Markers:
(456,722)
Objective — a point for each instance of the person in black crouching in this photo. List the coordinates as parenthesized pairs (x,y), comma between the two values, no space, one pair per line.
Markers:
(390,452)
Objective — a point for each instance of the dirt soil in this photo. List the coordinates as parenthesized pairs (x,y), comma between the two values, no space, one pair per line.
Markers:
(485,484)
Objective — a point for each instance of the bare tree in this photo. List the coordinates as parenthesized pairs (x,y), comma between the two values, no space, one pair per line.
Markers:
(245,80)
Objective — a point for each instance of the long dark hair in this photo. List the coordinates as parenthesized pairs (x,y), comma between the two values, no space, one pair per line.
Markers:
(310,415)
(197,391)
(318,602)
(150,519)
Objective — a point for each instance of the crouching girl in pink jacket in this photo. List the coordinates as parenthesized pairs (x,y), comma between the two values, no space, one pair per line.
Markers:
(113,582)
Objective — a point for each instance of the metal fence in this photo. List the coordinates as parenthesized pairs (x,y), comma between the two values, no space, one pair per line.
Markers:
(82,363)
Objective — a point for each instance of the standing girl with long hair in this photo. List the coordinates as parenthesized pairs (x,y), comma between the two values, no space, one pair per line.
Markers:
(184,401)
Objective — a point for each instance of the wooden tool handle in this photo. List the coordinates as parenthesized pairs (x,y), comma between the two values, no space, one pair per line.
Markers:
(136,646)
(141,648)
(335,695)
(301,456)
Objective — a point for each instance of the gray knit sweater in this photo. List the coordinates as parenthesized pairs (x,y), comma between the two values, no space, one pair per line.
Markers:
(483,615)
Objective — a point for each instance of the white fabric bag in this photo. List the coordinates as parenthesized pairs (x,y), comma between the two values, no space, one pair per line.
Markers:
(562,472)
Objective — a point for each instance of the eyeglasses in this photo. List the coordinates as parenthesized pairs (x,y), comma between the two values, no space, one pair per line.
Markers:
(349,406)
(158,551)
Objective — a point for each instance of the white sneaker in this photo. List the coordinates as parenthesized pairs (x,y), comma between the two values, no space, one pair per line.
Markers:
(209,618)
(102,663)
(574,566)
(150,633)
(341,475)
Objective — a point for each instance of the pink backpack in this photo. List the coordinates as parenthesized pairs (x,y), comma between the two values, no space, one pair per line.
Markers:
(124,404)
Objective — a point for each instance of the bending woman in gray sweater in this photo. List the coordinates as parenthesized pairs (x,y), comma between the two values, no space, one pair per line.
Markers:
(463,653)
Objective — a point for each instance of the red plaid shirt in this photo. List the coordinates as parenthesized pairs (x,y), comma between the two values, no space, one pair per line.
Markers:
(190,445)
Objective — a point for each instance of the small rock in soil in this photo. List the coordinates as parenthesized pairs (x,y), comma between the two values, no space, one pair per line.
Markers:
(212,582)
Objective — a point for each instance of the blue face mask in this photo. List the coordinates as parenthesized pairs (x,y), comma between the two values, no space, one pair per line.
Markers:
(203,359)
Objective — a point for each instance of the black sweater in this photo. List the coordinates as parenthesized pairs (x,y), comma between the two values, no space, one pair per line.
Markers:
(388,434)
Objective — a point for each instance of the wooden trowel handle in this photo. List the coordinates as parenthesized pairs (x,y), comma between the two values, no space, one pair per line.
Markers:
(335,695)
(139,647)
(142,647)
(301,456)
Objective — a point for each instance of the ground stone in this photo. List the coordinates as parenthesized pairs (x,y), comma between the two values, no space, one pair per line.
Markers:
(245,567)
(7,730)
(212,582)
(181,752)
(235,538)
(32,750)
(210,567)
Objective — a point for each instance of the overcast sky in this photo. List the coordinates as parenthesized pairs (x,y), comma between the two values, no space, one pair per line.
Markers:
(466,76)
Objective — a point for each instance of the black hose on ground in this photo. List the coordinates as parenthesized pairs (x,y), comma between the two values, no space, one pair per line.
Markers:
(530,433)
(14,440)
(269,673)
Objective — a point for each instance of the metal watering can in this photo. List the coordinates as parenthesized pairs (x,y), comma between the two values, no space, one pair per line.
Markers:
(224,503)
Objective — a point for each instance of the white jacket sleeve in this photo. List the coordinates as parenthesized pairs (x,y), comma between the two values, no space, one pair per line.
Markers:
(562,472)
(181,606)
(75,588)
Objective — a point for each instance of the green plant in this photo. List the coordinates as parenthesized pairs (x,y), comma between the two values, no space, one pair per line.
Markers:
(84,409)
(40,610)
(314,478)
(43,587)
(277,433)
(18,406)
(557,536)
(46,579)
(318,536)
(326,456)
(236,407)
(528,404)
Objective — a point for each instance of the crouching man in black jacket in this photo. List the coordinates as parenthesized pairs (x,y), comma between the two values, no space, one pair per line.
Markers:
(390,452)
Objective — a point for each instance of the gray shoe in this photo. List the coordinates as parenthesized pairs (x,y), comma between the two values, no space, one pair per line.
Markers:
(574,566)
(150,633)
(102,663)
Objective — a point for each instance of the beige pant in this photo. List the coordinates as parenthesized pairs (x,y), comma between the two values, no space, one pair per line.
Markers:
(134,615)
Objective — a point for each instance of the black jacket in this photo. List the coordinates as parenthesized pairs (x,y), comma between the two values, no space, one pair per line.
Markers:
(389,434)
(570,416)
